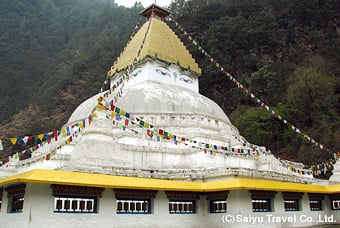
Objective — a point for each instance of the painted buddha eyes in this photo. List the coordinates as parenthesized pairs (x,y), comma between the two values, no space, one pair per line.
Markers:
(186,78)
(136,72)
(165,72)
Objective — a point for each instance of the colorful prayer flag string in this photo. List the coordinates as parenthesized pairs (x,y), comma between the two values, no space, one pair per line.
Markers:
(247,91)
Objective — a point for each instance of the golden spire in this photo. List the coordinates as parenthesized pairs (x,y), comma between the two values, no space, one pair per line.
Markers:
(155,39)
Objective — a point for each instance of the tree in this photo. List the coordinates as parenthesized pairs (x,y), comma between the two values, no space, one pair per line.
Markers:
(312,92)
(266,84)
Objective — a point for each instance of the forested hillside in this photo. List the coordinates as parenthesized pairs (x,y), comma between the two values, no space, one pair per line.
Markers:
(55,54)
(286,52)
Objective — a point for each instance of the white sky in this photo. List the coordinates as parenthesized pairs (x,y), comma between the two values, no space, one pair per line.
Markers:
(145,3)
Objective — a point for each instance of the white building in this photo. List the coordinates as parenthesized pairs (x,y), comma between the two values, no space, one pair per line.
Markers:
(153,152)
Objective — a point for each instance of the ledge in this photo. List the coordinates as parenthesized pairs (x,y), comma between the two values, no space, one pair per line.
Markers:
(109,181)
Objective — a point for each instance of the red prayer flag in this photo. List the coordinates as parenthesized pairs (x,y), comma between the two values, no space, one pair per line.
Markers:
(55,135)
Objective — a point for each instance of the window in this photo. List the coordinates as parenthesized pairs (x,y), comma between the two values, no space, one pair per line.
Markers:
(134,206)
(218,206)
(75,204)
(335,201)
(335,204)
(262,200)
(261,205)
(315,205)
(182,202)
(76,199)
(16,195)
(291,200)
(291,204)
(182,207)
(217,201)
(132,201)
(315,201)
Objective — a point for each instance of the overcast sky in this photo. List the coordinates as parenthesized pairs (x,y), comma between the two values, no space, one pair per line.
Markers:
(145,3)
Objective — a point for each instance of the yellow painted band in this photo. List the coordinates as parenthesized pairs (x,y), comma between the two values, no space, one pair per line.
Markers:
(110,181)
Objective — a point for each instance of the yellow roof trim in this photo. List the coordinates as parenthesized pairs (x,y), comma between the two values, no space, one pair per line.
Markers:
(109,181)
(160,42)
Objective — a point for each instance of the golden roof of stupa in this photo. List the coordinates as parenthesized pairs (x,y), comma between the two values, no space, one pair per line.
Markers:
(156,39)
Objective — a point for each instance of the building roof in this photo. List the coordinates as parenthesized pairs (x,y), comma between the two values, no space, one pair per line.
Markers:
(153,8)
(155,39)
(109,181)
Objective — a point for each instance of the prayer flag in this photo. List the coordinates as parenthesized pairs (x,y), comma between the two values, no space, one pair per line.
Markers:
(13,140)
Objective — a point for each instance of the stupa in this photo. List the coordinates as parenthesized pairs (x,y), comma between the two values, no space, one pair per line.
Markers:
(153,152)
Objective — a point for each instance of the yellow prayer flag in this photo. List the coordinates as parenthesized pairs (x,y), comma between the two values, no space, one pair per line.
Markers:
(41,136)
(13,140)
(122,112)
(16,155)
(63,132)
(81,126)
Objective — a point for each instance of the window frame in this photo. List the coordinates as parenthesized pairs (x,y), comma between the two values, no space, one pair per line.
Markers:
(291,204)
(292,201)
(334,198)
(262,202)
(135,201)
(219,196)
(182,203)
(78,194)
(79,199)
(318,203)
(181,197)
(134,196)
(16,198)
(212,209)
(316,197)
(338,204)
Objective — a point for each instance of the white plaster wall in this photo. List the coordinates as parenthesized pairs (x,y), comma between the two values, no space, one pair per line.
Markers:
(101,150)
(336,173)
(146,72)
(11,219)
(39,205)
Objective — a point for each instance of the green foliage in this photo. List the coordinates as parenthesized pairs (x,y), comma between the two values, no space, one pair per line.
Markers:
(255,123)
(48,47)
(55,54)
(269,47)
(266,84)
(312,93)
